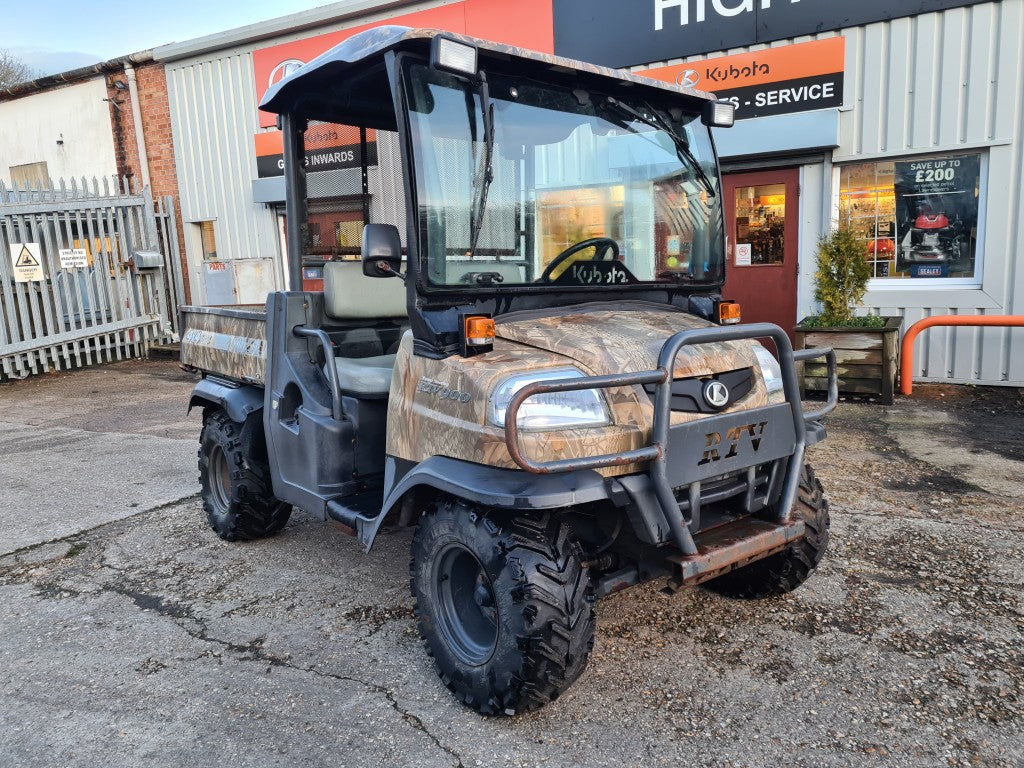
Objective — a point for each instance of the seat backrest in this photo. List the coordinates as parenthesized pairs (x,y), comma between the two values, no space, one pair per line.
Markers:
(351,295)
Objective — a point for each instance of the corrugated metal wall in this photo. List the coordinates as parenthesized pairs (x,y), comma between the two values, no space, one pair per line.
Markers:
(938,83)
(946,82)
(214,117)
(213,114)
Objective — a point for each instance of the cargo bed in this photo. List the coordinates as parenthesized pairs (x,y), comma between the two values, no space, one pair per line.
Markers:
(226,341)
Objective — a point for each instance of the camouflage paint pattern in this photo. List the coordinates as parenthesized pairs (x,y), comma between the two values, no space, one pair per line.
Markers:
(228,342)
(440,407)
(363,47)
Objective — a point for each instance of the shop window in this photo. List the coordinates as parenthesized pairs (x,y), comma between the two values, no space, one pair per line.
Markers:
(760,224)
(207,239)
(918,217)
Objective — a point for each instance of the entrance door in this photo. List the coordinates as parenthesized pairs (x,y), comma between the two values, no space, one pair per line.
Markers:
(761,223)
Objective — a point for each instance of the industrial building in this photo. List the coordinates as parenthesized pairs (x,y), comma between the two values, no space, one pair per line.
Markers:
(902,119)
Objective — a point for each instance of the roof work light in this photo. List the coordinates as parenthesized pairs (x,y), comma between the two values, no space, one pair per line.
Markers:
(719,114)
(453,56)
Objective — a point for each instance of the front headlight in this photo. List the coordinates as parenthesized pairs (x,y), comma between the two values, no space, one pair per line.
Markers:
(550,410)
(770,368)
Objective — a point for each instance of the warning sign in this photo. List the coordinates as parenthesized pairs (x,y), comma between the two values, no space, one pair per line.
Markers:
(72,258)
(28,266)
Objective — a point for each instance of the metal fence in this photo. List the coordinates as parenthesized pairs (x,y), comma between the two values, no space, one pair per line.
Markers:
(89,273)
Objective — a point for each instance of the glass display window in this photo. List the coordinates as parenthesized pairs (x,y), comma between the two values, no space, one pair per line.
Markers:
(918,217)
(760,225)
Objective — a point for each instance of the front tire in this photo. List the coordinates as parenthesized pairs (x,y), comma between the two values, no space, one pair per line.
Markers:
(237,495)
(504,605)
(785,571)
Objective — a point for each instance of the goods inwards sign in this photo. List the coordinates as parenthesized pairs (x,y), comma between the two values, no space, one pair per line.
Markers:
(329,147)
(774,81)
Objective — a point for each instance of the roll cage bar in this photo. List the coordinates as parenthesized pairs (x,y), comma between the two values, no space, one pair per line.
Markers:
(345,85)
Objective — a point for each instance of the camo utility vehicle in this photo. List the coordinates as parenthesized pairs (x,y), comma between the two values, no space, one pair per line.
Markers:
(530,362)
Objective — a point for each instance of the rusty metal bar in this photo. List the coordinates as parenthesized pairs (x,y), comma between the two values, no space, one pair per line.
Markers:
(907,346)
(732,546)
(570,385)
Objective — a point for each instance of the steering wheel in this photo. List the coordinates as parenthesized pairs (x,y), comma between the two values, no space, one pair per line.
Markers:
(603,246)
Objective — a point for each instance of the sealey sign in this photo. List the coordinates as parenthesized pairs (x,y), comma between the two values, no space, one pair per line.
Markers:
(623,33)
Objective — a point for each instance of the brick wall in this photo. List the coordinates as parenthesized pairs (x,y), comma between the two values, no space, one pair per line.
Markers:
(156,128)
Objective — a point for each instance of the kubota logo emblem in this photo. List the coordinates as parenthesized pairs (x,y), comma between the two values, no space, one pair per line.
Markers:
(713,441)
(688,78)
(716,394)
(282,70)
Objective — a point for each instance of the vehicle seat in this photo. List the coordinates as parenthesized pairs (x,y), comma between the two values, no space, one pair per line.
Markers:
(349,295)
(365,376)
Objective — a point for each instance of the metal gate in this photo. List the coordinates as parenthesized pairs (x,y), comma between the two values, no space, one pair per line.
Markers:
(89,273)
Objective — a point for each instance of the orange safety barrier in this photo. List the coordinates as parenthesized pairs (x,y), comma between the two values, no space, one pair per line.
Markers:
(907,346)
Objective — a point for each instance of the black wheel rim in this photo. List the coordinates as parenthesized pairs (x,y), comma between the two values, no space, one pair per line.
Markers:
(467,614)
(220,479)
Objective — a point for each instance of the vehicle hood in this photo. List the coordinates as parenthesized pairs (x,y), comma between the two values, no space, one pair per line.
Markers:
(606,341)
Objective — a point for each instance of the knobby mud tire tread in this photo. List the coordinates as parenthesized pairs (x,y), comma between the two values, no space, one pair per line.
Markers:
(550,620)
(253,512)
(783,572)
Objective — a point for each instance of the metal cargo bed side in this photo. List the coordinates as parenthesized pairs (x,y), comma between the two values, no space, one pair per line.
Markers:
(227,342)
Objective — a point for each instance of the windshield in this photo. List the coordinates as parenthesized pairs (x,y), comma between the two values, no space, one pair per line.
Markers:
(553,186)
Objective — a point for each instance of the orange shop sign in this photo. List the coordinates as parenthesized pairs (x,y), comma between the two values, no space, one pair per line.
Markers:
(530,25)
(773,81)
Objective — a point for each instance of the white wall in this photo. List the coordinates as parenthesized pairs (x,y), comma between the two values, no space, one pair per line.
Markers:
(31,126)
(948,82)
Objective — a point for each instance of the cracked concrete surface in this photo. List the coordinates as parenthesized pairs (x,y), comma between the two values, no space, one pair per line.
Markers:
(91,446)
(144,640)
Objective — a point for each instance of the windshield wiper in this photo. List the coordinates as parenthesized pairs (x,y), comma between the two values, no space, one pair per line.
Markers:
(656,120)
(487,110)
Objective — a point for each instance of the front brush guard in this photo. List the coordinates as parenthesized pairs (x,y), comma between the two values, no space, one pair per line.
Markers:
(675,445)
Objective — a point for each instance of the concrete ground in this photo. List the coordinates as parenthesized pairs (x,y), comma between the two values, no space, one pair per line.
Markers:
(130,635)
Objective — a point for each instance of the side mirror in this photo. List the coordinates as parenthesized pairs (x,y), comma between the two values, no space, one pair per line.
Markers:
(382,250)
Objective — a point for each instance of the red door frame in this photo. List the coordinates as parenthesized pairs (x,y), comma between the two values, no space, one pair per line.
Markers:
(766,292)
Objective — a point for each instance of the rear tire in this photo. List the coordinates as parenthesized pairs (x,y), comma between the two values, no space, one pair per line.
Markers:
(785,571)
(237,495)
(504,605)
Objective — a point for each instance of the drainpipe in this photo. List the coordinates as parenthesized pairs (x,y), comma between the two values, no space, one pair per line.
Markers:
(140,139)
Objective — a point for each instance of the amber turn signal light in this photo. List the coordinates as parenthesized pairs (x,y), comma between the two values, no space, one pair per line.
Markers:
(728,313)
(479,331)
(477,335)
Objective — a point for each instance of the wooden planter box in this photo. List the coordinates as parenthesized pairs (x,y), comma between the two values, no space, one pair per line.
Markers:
(867,358)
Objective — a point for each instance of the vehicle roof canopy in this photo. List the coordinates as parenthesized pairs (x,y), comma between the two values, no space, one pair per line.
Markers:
(349,83)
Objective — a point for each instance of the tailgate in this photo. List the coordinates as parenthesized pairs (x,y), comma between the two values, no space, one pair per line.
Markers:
(229,342)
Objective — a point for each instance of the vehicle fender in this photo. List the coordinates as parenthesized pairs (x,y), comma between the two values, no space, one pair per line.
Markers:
(239,400)
(492,487)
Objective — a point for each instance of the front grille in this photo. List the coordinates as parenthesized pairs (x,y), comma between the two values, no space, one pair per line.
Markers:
(688,397)
(739,493)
